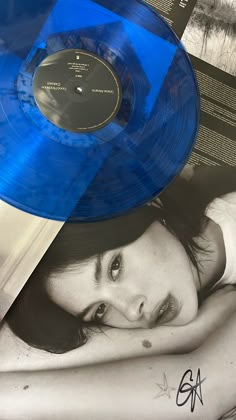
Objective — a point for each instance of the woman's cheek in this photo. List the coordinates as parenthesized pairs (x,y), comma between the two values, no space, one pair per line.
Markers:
(188,312)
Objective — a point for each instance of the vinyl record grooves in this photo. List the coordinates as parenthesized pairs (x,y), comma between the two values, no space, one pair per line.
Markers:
(101,114)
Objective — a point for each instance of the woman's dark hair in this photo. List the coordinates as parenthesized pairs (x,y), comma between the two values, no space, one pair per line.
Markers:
(37,320)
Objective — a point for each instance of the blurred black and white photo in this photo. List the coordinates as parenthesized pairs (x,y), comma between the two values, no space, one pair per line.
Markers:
(211,33)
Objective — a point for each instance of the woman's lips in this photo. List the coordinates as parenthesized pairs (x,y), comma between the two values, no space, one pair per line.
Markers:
(166,312)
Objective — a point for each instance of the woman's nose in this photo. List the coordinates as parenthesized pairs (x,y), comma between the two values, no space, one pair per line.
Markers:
(133,307)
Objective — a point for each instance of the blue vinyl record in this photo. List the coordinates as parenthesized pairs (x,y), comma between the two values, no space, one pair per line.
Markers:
(99,107)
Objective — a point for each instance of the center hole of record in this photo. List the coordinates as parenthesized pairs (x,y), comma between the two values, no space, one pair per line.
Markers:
(77,90)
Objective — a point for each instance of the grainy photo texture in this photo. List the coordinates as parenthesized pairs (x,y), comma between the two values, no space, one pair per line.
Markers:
(211,33)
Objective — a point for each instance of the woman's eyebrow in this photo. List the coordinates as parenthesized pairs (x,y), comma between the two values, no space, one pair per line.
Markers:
(98,269)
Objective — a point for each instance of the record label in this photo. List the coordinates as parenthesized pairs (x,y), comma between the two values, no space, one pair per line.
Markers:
(77,90)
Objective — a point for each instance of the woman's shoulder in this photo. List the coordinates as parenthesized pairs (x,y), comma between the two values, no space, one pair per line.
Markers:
(224,206)
(229,198)
(223,212)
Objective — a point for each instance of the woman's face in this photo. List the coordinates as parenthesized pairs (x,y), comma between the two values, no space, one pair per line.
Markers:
(147,283)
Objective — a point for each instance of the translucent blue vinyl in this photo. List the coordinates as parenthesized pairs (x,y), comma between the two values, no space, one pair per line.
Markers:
(57,174)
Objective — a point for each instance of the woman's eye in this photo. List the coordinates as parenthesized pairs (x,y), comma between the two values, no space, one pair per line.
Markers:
(100,311)
(115,267)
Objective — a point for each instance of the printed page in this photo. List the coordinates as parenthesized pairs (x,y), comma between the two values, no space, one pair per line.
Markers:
(210,39)
(175,12)
(208,34)
(216,141)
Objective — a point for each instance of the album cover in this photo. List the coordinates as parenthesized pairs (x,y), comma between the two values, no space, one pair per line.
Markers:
(133,317)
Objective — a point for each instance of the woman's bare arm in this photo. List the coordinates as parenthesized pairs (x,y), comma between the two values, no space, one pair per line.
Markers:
(137,389)
(144,388)
(114,344)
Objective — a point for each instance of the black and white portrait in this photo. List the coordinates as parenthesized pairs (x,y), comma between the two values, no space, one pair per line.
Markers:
(133,317)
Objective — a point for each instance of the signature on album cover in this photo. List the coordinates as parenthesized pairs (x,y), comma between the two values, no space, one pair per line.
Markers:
(190,389)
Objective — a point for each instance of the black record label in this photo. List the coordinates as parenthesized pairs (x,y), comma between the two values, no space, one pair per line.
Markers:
(77,90)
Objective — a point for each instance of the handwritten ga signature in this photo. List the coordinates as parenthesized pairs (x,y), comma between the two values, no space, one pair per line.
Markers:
(190,390)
